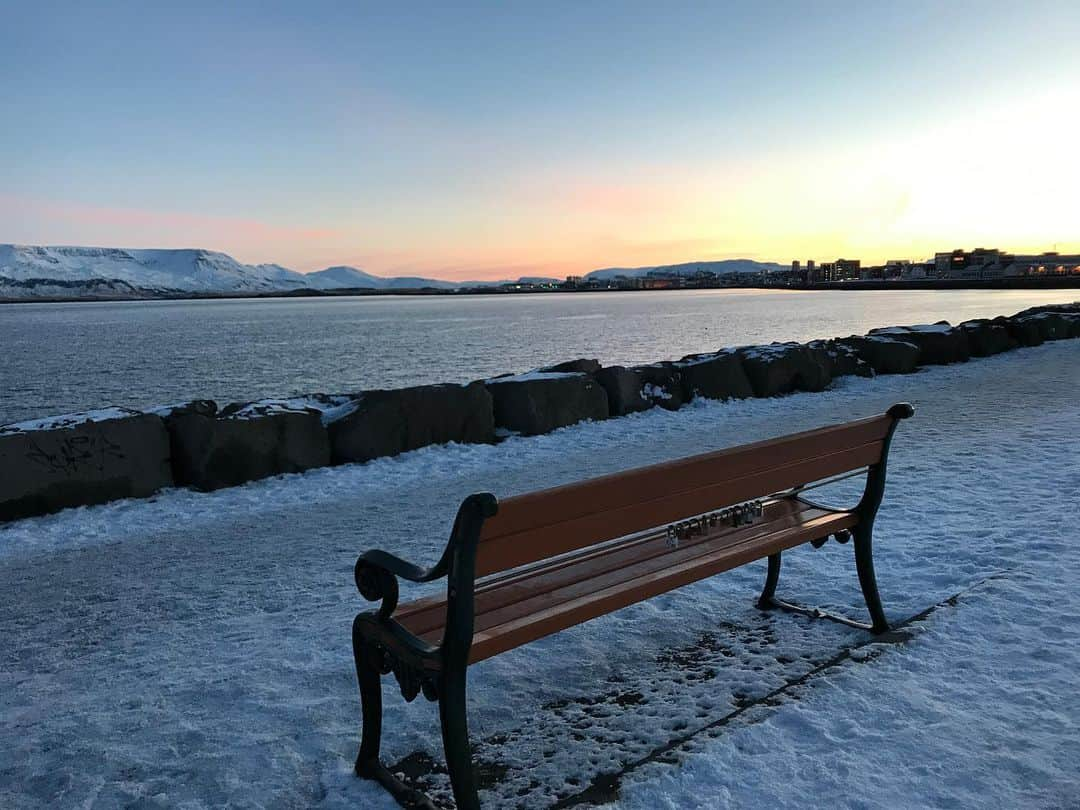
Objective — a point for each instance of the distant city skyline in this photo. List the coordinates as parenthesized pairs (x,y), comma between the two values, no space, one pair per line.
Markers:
(491,143)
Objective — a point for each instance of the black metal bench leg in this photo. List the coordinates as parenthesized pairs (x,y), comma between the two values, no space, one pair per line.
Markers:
(864,564)
(768,594)
(370,680)
(455,731)
(369,672)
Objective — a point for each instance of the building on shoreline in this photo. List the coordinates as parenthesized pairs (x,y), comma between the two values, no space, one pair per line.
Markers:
(840,270)
(983,263)
(980,264)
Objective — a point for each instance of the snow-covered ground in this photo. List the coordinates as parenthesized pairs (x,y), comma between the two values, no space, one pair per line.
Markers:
(193,650)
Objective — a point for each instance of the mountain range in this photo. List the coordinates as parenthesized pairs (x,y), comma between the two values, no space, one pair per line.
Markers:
(720,268)
(34,271)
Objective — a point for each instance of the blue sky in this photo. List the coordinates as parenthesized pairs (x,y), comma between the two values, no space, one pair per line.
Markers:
(472,139)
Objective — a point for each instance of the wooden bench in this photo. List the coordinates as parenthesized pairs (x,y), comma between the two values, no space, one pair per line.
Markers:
(535,564)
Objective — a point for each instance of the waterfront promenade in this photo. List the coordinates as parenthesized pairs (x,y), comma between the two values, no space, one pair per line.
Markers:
(195,647)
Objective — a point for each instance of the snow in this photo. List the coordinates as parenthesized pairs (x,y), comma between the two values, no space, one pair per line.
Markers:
(190,270)
(768,350)
(883,338)
(331,407)
(650,391)
(193,649)
(340,277)
(696,359)
(68,420)
(28,271)
(533,376)
(349,277)
(941,328)
(335,278)
(165,271)
(165,411)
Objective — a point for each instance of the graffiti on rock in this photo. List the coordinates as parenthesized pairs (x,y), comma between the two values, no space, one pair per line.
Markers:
(73,454)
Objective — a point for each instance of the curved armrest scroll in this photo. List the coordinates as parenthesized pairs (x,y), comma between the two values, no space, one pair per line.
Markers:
(402,569)
(377,573)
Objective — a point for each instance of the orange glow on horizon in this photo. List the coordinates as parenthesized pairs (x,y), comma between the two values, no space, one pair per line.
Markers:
(985,177)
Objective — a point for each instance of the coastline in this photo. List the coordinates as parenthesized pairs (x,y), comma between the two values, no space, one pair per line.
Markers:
(1020,283)
(87,458)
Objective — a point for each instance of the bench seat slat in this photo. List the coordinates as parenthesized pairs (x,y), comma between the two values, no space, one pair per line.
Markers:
(514,609)
(534,626)
(500,590)
(658,505)
(599,575)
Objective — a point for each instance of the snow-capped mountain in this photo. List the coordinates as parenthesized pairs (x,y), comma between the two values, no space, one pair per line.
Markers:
(688,268)
(338,278)
(27,267)
(32,271)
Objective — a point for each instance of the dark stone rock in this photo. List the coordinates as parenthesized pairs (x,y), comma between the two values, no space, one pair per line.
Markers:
(883,354)
(211,453)
(203,407)
(661,384)
(582,366)
(1051,325)
(386,423)
(1024,331)
(1074,324)
(781,368)
(714,376)
(82,463)
(623,388)
(841,359)
(938,343)
(1072,308)
(540,402)
(234,408)
(986,337)
(1047,322)
(1064,321)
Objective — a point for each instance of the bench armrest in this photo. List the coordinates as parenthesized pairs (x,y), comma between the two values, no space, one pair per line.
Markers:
(401,568)
(377,573)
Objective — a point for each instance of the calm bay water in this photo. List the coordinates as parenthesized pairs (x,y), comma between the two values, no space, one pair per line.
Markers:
(58,358)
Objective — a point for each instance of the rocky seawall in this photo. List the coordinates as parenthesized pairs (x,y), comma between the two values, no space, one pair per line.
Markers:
(94,457)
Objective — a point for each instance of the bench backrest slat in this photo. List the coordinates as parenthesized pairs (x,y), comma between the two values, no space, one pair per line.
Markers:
(555,521)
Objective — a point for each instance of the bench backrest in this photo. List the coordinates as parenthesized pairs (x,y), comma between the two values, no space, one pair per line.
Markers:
(539,525)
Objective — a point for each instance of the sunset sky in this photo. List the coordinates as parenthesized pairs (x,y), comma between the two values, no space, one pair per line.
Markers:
(470,141)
